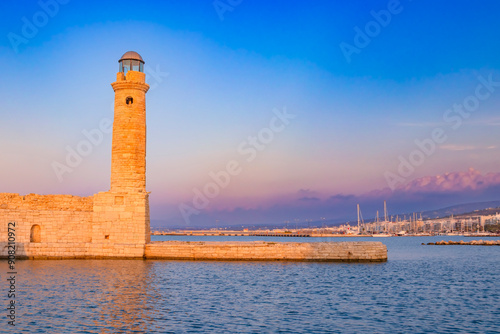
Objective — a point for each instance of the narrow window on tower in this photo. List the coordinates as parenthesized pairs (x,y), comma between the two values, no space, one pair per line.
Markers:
(129,100)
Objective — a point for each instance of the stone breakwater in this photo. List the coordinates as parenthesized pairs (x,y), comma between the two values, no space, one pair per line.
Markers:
(268,251)
(461,242)
(204,251)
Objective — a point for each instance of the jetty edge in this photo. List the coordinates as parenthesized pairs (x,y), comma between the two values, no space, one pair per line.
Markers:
(362,251)
(268,251)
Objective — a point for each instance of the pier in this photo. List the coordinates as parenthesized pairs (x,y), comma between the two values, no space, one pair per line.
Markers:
(268,251)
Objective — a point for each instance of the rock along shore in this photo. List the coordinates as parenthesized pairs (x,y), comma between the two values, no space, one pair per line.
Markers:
(470,243)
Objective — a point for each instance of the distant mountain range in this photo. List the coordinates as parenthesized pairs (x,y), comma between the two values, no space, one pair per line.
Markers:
(468,209)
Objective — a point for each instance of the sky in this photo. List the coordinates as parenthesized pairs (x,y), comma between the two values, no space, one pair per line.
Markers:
(259,112)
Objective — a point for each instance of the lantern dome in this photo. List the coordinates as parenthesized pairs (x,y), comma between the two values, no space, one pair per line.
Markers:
(131,61)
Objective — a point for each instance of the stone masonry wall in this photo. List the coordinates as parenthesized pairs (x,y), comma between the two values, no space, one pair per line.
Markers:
(62,218)
(73,250)
(73,227)
(121,218)
(268,251)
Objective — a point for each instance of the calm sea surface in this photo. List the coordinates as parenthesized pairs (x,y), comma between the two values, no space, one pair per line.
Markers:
(421,289)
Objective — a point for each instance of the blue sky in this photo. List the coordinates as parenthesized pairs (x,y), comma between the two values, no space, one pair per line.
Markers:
(218,77)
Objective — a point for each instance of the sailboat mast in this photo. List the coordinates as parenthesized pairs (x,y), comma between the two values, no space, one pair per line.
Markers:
(385,215)
(358,218)
(385,211)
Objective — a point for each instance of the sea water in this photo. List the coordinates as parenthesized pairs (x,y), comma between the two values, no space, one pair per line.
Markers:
(420,289)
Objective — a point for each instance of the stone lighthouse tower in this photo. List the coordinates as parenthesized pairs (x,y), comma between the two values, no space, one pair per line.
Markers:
(128,157)
(121,215)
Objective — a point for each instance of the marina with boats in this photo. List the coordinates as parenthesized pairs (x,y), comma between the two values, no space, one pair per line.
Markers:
(475,224)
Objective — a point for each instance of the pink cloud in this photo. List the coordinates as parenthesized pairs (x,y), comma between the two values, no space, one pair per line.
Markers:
(422,194)
(452,182)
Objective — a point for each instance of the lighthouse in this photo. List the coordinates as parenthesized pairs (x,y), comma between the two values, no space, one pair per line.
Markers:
(121,215)
(128,155)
